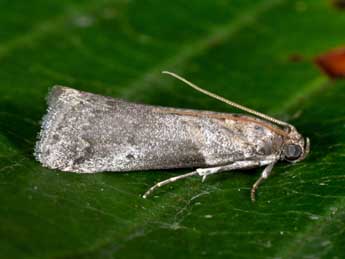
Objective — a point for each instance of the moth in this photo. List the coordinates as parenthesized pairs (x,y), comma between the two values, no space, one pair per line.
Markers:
(88,133)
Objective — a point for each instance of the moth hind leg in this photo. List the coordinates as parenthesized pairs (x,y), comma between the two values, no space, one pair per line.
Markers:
(167,181)
(203,172)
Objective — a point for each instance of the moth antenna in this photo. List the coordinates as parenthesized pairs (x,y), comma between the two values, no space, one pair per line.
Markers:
(231,103)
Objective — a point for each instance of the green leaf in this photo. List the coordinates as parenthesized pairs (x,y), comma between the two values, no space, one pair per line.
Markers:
(241,49)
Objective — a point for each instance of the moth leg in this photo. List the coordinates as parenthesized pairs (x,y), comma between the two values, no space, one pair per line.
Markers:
(204,172)
(264,175)
(167,181)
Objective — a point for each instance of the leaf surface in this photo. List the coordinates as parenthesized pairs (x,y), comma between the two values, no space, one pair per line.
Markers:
(259,53)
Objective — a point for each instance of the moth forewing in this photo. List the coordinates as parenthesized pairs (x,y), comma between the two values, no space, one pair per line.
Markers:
(87,133)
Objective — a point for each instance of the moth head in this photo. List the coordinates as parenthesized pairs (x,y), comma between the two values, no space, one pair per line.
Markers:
(295,147)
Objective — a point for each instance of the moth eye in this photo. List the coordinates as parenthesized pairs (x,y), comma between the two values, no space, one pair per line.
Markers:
(292,151)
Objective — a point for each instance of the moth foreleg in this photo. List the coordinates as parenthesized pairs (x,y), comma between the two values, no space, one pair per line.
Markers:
(204,172)
(264,175)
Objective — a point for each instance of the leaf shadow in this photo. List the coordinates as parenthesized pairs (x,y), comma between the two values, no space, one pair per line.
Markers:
(20,124)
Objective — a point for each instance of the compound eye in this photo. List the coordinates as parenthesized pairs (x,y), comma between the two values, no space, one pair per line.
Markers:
(292,152)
